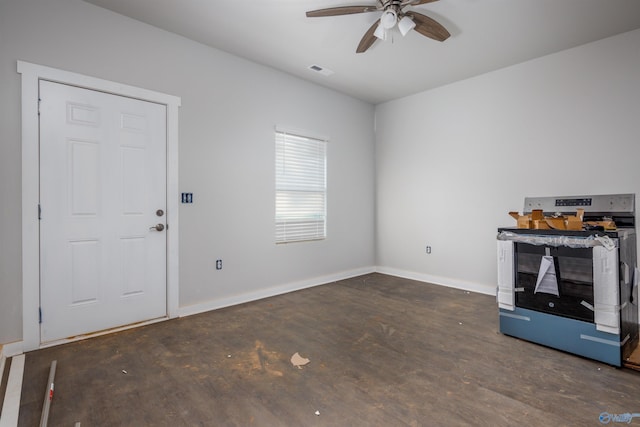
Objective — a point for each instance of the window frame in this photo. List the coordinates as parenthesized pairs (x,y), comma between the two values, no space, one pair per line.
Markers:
(300,186)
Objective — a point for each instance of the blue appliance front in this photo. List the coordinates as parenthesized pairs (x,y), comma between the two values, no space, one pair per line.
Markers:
(570,335)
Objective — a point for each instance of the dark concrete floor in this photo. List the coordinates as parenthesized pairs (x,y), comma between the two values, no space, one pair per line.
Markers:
(384,351)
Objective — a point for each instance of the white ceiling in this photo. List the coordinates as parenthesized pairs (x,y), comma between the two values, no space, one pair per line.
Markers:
(485,35)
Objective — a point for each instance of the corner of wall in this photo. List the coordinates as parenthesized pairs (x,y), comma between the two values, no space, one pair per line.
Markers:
(440,281)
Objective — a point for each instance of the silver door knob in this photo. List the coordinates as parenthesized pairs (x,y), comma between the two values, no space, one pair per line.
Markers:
(157,227)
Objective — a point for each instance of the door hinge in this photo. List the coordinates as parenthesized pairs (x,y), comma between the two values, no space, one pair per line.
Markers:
(40,315)
(39,101)
(39,211)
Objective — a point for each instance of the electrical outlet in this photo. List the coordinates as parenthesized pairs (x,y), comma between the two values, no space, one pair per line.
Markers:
(428,249)
(218,264)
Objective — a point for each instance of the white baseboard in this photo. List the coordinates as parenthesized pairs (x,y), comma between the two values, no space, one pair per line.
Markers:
(437,280)
(270,292)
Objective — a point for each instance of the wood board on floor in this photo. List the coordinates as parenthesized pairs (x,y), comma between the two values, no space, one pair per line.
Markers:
(11,405)
(633,361)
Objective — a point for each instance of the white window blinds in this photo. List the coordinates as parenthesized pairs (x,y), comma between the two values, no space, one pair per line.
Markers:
(301,188)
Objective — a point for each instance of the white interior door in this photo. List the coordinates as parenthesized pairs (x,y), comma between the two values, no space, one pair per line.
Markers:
(102,190)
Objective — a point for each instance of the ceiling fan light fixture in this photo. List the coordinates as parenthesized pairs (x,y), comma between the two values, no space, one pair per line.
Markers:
(380,32)
(388,19)
(405,25)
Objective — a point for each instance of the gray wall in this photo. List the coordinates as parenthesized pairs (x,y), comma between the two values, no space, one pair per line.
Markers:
(453,161)
(229,109)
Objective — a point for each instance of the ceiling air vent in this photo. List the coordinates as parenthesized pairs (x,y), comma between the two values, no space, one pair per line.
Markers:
(319,69)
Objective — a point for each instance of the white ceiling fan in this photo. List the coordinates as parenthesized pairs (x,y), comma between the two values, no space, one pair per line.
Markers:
(393,15)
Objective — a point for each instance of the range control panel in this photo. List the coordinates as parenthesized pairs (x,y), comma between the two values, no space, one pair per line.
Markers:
(609,203)
(574,202)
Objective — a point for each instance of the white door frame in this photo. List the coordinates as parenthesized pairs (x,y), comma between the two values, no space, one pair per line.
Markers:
(31,75)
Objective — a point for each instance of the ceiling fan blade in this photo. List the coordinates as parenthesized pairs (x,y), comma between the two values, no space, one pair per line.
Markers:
(343,10)
(428,27)
(368,39)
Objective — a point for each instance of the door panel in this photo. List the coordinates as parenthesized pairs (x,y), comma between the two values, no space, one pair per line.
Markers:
(102,179)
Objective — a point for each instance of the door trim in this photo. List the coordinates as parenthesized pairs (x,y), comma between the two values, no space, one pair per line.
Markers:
(31,76)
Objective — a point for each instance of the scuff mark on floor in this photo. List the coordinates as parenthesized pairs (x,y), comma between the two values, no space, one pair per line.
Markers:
(258,359)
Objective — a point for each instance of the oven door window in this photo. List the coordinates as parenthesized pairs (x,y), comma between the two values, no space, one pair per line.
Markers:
(574,274)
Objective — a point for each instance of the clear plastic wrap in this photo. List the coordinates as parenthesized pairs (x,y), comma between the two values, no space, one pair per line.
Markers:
(556,241)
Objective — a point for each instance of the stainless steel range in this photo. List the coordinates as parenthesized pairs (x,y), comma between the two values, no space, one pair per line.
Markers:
(567,275)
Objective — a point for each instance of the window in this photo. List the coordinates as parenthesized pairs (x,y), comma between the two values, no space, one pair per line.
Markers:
(301,188)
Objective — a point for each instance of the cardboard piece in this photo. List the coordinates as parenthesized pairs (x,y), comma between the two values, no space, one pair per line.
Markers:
(537,221)
(298,361)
